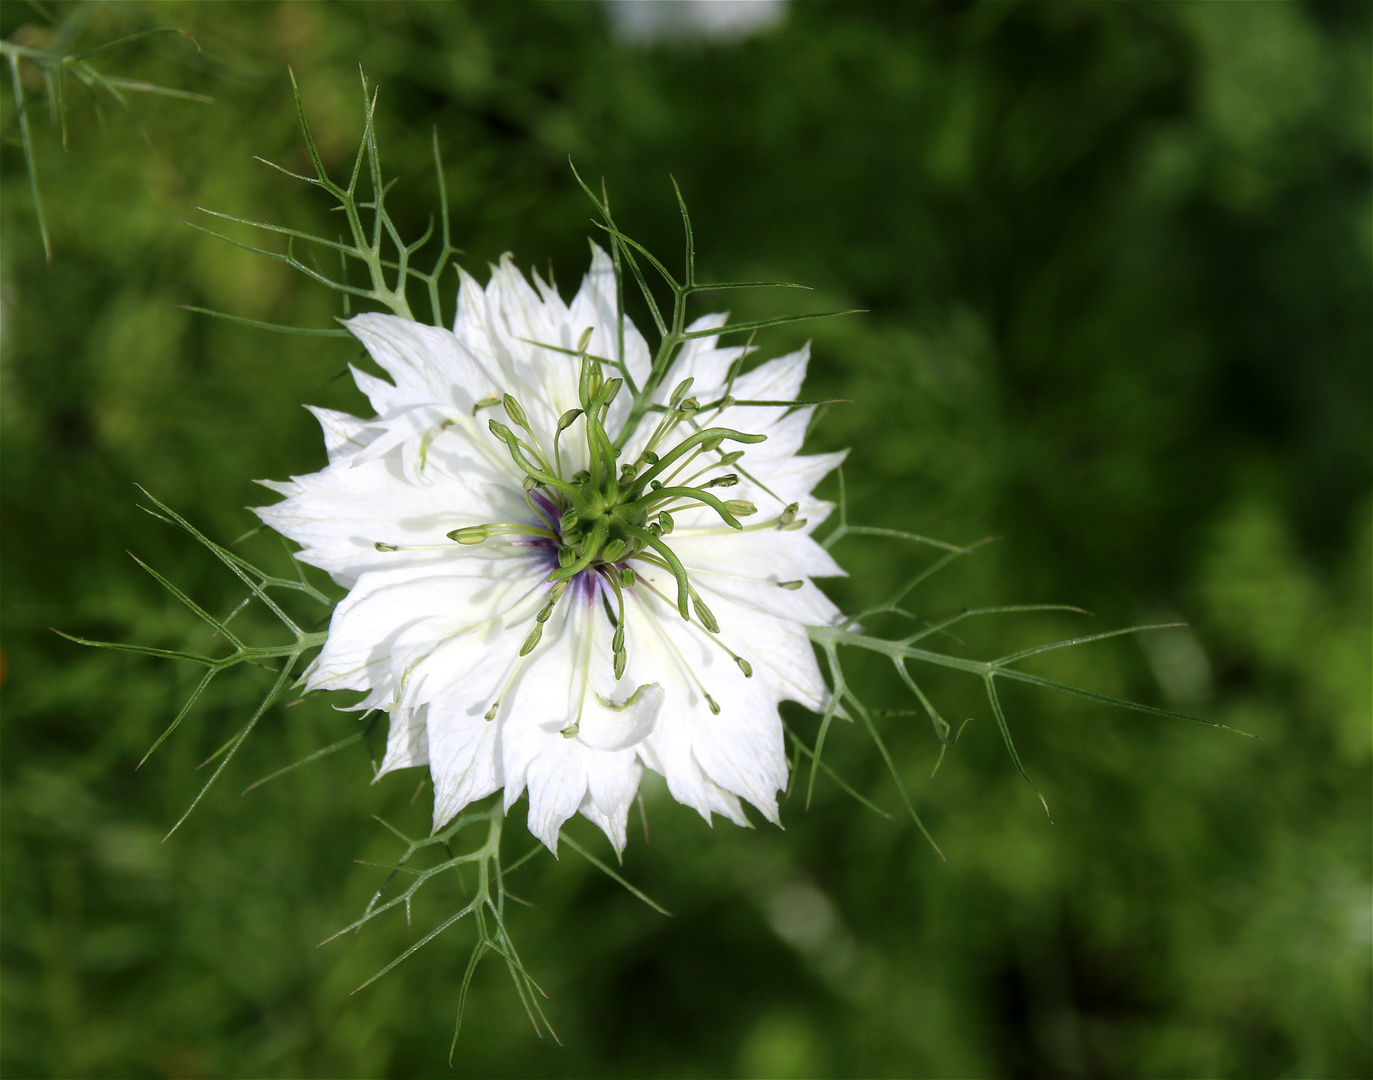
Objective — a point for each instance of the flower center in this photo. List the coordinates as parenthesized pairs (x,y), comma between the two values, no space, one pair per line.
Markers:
(608,514)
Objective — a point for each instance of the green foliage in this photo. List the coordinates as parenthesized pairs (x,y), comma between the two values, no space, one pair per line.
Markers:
(57,61)
(1116,263)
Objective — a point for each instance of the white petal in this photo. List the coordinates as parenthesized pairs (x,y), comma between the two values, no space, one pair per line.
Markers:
(340,514)
(428,363)
(407,742)
(776,380)
(739,749)
(594,306)
(462,761)
(344,435)
(460,604)
(559,689)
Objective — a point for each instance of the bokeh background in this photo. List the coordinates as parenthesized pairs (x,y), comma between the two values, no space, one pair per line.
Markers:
(1116,258)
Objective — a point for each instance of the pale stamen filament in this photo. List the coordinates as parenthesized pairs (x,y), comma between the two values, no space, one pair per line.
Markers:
(478,534)
(666,639)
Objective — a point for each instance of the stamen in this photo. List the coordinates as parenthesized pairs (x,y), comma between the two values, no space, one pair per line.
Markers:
(564,422)
(697,495)
(544,477)
(704,613)
(617,618)
(515,412)
(532,640)
(687,445)
(744,665)
(680,392)
(429,436)
(476,534)
(614,551)
(672,647)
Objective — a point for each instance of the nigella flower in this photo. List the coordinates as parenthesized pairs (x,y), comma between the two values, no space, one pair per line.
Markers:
(547,594)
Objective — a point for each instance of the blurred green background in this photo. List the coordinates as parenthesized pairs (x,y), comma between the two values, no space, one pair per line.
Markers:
(1117,262)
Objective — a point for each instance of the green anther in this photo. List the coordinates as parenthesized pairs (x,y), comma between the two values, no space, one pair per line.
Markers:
(655,529)
(728,480)
(584,340)
(689,406)
(570,732)
(485,403)
(614,551)
(566,556)
(473,534)
(744,666)
(740,507)
(491,712)
(628,578)
(655,485)
(516,414)
(621,658)
(793,585)
(568,419)
(555,594)
(580,477)
(532,640)
(568,521)
(711,444)
(680,392)
(789,514)
(665,520)
(704,614)
(586,552)
(627,473)
(726,402)
(530,483)
(617,643)
(385,547)
(611,389)
(729,459)
(650,457)
(714,705)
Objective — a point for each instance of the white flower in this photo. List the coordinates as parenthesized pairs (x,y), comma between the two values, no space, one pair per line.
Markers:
(521,571)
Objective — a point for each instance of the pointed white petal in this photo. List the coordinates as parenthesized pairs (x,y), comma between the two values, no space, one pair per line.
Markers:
(428,364)
(407,742)
(462,761)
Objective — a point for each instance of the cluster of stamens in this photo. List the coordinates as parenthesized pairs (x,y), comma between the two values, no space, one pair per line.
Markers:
(603,516)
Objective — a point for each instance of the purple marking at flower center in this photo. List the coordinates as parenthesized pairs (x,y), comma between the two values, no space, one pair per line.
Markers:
(587,585)
(548,510)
